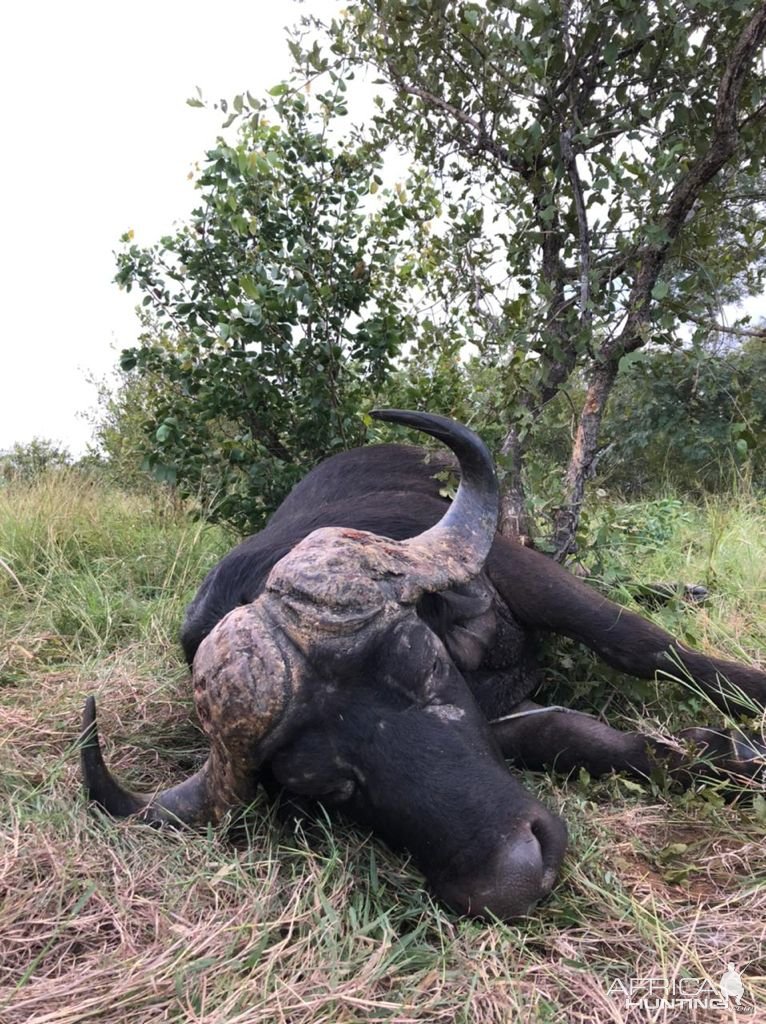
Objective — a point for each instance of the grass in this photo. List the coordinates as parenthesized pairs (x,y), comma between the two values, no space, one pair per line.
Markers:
(113,922)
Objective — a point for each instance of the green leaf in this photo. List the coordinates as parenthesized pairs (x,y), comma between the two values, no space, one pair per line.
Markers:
(249,287)
(630,358)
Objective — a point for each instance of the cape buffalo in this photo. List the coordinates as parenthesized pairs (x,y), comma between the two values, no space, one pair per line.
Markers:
(372,648)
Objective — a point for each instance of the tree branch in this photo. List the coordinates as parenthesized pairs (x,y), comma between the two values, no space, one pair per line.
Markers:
(737,332)
(723,145)
(650,259)
(570,162)
(482,140)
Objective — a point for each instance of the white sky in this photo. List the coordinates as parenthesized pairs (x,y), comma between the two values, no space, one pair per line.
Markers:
(97,138)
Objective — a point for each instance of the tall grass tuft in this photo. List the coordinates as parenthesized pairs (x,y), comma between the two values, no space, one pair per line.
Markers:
(86,568)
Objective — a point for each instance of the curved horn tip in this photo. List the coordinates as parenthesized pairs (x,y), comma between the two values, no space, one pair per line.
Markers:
(471,451)
(98,782)
(429,422)
(89,715)
(91,759)
(187,803)
(470,522)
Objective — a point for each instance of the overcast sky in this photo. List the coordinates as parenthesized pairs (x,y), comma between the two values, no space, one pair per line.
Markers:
(97,138)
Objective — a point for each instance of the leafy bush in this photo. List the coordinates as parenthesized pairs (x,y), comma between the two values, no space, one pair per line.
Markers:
(29,460)
(691,417)
(274,314)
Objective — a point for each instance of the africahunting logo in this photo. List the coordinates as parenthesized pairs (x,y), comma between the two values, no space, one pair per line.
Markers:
(650,993)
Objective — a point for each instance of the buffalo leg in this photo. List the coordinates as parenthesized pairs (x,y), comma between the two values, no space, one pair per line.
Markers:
(542,595)
(536,737)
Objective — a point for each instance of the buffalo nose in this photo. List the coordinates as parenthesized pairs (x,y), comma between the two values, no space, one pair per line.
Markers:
(518,873)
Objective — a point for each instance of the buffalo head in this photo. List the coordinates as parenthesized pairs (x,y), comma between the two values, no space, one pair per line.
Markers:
(331,682)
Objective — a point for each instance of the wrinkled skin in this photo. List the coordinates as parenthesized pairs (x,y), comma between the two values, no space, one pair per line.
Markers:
(356,653)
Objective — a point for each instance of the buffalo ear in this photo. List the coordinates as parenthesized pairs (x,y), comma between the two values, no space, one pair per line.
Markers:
(464,619)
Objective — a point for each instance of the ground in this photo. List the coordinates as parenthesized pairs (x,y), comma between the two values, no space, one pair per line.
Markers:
(114,922)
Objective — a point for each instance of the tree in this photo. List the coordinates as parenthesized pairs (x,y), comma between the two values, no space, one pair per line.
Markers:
(273,315)
(605,148)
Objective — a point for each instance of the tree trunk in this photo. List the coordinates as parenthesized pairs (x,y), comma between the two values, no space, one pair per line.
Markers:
(515,521)
(582,462)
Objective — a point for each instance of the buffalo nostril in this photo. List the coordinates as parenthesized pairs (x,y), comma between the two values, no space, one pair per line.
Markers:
(509,882)
(514,873)
(515,881)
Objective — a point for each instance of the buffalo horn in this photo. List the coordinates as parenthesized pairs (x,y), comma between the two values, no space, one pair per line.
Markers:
(189,802)
(454,550)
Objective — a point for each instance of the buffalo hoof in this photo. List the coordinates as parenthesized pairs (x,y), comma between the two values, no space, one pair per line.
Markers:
(726,754)
(655,595)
